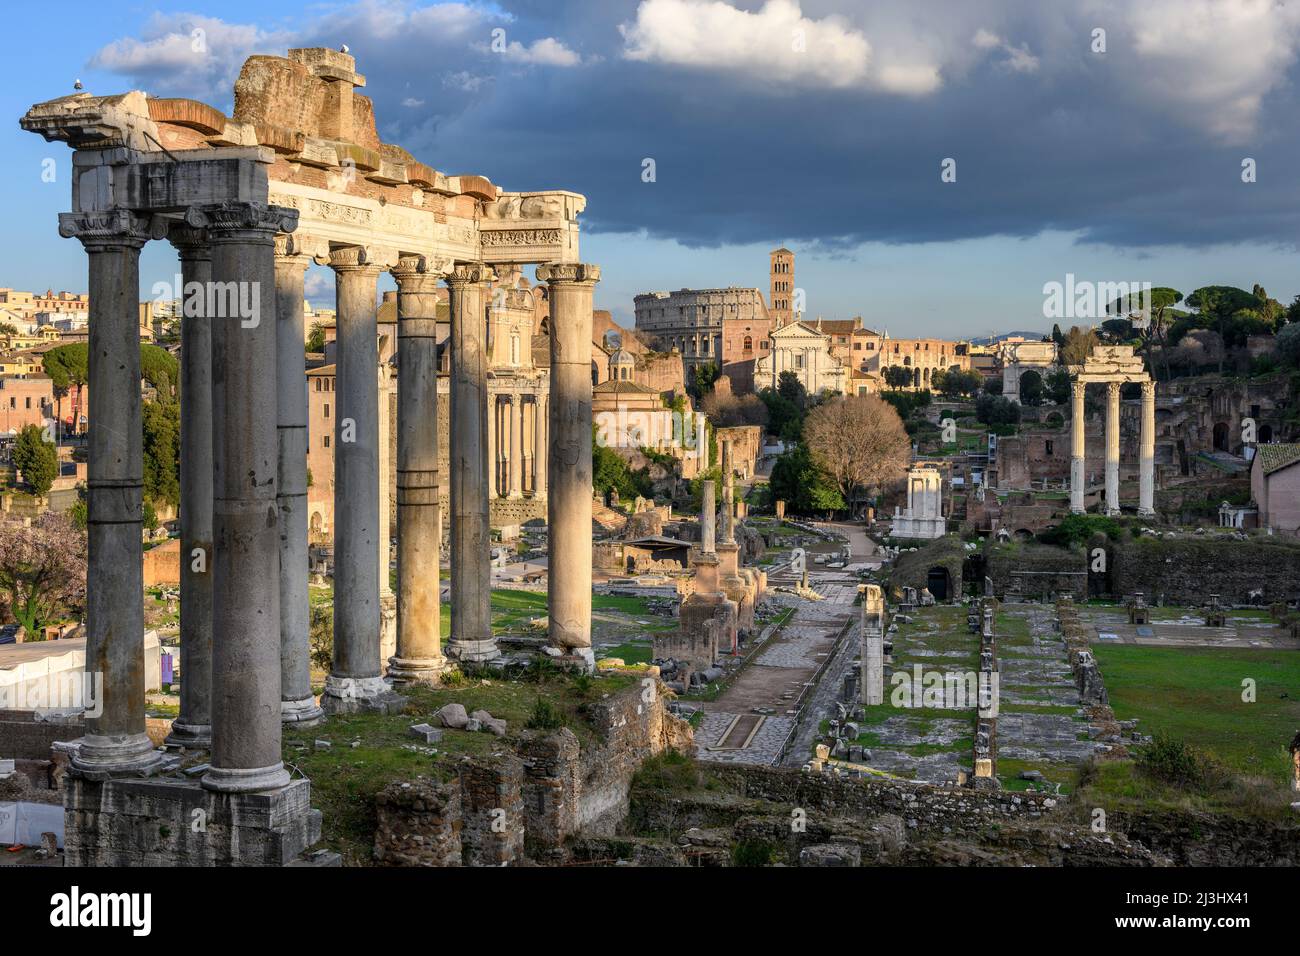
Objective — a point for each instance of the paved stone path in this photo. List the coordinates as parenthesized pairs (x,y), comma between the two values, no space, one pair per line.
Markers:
(782,674)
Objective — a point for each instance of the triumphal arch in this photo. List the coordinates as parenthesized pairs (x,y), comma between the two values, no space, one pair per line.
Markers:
(1115,365)
(297,175)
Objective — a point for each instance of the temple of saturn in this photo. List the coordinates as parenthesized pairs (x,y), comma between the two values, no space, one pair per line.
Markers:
(297,175)
(1114,365)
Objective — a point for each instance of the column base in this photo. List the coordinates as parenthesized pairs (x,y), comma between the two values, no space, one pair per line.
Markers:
(301,713)
(246,780)
(473,651)
(360,695)
(130,753)
(583,658)
(106,820)
(1113,512)
(427,670)
(190,736)
(387,623)
(1146,512)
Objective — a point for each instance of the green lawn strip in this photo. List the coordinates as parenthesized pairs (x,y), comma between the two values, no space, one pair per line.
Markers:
(1195,694)
(631,652)
(1009,773)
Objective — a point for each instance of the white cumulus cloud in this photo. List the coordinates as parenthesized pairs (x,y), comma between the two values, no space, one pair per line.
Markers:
(775,43)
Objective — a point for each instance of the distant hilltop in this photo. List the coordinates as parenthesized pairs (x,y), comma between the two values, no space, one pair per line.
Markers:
(1003,336)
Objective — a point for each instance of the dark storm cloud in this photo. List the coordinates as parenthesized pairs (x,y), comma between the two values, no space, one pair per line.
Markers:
(1141,145)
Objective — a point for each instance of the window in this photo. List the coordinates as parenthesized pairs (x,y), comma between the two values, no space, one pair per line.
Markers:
(749,344)
(325,441)
(327,410)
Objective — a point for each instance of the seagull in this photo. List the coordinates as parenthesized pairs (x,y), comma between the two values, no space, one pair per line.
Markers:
(76,85)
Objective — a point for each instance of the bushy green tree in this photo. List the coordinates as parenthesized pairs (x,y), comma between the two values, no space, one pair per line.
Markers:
(162,449)
(804,487)
(36,459)
(997,410)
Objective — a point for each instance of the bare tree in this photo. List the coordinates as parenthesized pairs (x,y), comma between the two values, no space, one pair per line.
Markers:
(858,441)
(726,410)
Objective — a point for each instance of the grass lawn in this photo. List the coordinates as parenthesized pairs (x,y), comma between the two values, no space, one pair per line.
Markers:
(632,652)
(1195,695)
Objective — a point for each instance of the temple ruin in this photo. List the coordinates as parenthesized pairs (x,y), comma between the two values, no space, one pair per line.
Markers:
(298,175)
(1115,365)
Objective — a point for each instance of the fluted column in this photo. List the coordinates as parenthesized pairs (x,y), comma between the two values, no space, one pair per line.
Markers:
(494,466)
(297,703)
(1078,446)
(355,680)
(115,738)
(419,517)
(1147,454)
(516,413)
(192,727)
(246,681)
(1112,448)
(570,468)
(471,541)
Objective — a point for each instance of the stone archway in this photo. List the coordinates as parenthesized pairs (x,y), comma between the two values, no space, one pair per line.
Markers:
(938,581)
(1222,436)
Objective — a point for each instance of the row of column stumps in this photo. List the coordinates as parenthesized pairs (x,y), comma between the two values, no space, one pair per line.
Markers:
(244,483)
(1146,455)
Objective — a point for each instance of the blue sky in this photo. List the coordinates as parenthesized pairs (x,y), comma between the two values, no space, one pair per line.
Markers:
(818,125)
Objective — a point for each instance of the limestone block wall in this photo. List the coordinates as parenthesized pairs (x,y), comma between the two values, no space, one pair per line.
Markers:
(22,737)
(1180,568)
(921,806)
(508,806)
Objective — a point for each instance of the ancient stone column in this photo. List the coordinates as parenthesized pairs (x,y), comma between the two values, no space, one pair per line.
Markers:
(570,474)
(728,535)
(115,739)
(297,703)
(708,518)
(355,681)
(387,479)
(193,725)
(543,444)
(1112,448)
(1147,454)
(515,408)
(1078,446)
(727,549)
(873,645)
(246,729)
(419,517)
(471,541)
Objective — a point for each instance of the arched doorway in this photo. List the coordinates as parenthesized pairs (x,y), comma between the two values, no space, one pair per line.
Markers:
(1265,434)
(1220,436)
(939,582)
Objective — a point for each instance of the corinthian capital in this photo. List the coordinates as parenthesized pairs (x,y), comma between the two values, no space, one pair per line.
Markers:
(467,273)
(113,228)
(242,221)
(413,271)
(568,272)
